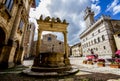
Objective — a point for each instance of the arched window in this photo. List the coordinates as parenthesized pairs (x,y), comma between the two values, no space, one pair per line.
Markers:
(9,4)
(103,37)
(98,39)
(95,41)
(91,42)
(99,31)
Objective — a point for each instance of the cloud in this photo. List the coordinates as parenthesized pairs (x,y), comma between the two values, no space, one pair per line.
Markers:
(95,7)
(70,10)
(114,7)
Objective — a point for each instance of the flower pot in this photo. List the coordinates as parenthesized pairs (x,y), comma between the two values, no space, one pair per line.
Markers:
(90,62)
(101,64)
(114,65)
(85,62)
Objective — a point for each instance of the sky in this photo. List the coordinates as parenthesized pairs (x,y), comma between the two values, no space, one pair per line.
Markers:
(73,12)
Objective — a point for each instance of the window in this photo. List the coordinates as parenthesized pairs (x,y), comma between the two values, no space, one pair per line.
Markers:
(96,49)
(93,34)
(91,42)
(98,39)
(103,37)
(59,42)
(49,39)
(9,4)
(118,35)
(95,41)
(21,24)
(98,31)
(104,47)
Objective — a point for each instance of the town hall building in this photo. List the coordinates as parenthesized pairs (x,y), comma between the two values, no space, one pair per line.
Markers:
(98,38)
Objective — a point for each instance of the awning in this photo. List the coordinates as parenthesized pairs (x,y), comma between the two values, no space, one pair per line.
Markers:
(117,52)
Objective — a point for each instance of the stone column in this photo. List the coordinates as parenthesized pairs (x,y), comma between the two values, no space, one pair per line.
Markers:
(67,61)
(16,23)
(37,57)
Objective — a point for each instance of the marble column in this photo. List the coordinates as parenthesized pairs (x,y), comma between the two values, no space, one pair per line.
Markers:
(67,61)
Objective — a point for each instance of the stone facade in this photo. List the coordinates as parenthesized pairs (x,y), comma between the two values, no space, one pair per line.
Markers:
(98,37)
(13,21)
(49,43)
(28,40)
(116,27)
(76,50)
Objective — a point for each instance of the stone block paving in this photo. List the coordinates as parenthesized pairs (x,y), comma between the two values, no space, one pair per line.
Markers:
(86,73)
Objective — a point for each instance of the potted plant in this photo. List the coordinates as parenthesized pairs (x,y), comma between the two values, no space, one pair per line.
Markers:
(115,63)
(84,61)
(101,62)
(90,61)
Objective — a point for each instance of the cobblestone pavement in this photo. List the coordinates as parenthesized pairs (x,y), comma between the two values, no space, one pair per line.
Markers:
(86,73)
(94,68)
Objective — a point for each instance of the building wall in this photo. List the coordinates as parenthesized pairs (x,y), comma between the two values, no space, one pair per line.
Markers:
(76,50)
(49,43)
(116,26)
(52,44)
(98,38)
(28,40)
(117,40)
(13,21)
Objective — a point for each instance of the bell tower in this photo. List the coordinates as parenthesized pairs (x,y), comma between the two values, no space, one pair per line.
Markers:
(89,17)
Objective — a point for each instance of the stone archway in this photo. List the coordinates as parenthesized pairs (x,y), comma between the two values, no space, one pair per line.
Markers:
(51,63)
(54,25)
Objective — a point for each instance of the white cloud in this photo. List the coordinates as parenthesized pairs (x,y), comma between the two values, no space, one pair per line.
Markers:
(94,1)
(70,10)
(96,9)
(114,7)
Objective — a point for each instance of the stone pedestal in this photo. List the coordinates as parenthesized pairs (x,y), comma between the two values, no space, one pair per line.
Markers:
(50,62)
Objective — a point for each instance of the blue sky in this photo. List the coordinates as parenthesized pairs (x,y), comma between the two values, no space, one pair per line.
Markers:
(73,12)
(108,9)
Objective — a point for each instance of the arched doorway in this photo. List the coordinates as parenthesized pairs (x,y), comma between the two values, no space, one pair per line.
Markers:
(2,39)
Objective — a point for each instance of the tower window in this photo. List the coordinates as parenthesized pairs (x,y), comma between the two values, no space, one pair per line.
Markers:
(95,41)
